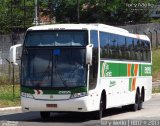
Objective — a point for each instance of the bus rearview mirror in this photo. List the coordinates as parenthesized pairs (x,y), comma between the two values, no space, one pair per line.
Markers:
(89,54)
(15,53)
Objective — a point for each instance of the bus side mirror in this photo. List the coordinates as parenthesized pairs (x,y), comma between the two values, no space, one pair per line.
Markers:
(89,54)
(15,53)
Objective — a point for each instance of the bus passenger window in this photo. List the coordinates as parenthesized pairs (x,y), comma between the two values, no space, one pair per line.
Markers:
(147,51)
(104,45)
(130,52)
(138,51)
(143,51)
(114,46)
(122,47)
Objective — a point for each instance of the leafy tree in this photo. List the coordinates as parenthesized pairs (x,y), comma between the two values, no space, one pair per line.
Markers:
(115,12)
(118,11)
(14,15)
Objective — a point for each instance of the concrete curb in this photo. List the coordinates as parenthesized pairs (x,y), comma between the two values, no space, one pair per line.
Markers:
(10,108)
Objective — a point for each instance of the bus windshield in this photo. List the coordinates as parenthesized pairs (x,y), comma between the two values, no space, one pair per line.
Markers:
(56,38)
(58,67)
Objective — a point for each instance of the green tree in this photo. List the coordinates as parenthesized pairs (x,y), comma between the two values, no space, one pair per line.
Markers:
(14,15)
(115,12)
(4,16)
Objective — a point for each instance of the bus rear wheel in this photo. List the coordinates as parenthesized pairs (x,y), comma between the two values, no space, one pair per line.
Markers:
(141,99)
(136,106)
(140,104)
(45,115)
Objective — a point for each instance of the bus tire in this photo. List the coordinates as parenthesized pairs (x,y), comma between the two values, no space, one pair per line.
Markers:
(45,115)
(102,106)
(134,107)
(140,104)
(141,99)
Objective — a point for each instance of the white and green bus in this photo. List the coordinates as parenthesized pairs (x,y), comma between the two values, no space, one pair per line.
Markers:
(83,68)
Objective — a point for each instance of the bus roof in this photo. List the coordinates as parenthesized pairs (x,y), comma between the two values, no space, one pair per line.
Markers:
(100,27)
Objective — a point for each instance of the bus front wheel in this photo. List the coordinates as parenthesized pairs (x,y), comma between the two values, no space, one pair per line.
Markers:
(102,106)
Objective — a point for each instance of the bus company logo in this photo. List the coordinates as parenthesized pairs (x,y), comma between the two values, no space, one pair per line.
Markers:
(147,70)
(112,83)
(64,92)
(105,70)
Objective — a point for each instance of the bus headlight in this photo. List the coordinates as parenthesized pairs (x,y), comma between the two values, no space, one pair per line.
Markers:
(78,95)
(26,95)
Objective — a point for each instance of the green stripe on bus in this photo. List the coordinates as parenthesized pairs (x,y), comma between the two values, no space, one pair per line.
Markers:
(108,69)
(132,70)
(140,71)
(123,70)
(114,68)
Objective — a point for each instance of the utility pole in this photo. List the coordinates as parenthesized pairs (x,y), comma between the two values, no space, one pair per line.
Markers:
(13,79)
(24,23)
(156,38)
(77,11)
(36,12)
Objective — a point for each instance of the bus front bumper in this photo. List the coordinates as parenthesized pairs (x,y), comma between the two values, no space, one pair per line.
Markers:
(83,104)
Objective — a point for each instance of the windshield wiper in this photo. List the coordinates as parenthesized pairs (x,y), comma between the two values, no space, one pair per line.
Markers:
(61,78)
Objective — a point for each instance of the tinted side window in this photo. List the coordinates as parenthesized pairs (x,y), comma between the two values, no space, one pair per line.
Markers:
(143,51)
(114,46)
(121,46)
(130,54)
(146,51)
(138,50)
(104,45)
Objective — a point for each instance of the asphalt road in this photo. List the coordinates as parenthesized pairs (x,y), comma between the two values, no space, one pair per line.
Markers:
(150,111)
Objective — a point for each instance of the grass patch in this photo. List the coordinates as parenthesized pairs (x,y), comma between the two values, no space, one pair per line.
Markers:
(6,95)
(4,80)
(155,20)
(156,64)
(156,90)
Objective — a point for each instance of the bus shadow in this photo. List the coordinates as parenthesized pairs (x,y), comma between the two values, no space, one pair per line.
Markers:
(60,117)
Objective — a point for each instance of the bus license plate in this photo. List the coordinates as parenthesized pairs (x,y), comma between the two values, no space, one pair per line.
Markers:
(51,105)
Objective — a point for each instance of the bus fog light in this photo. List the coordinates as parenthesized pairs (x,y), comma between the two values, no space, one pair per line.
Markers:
(78,95)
